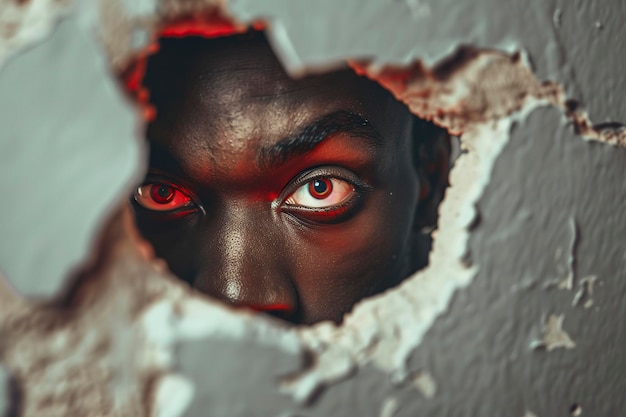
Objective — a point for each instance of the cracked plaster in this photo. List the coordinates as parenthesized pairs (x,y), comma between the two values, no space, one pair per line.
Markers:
(467,321)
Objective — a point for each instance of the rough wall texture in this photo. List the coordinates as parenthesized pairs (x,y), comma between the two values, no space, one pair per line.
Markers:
(503,317)
(519,312)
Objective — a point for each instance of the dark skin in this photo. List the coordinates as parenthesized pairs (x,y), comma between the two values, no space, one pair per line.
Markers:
(297,198)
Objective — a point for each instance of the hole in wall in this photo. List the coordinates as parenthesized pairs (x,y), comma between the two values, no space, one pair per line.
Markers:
(294,197)
(372,351)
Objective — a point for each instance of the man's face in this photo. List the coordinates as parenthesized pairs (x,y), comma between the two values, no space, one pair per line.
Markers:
(293,197)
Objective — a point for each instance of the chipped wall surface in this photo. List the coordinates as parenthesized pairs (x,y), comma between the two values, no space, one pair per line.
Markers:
(519,312)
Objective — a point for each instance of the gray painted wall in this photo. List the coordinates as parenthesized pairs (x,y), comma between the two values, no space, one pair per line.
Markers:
(520,312)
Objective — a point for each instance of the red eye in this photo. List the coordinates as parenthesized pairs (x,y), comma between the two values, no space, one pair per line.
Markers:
(162,194)
(161,197)
(322,193)
(320,188)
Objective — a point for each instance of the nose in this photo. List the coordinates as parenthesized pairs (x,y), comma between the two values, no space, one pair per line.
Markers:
(243,263)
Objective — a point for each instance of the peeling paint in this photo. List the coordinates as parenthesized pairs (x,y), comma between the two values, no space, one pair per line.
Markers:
(556,17)
(425,383)
(585,291)
(389,408)
(611,133)
(484,86)
(331,365)
(569,282)
(554,337)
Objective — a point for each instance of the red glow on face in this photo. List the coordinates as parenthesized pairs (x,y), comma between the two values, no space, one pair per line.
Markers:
(133,77)
(271,195)
(329,214)
(276,308)
(162,198)
(213,27)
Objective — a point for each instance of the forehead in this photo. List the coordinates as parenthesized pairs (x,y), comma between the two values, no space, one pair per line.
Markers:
(232,94)
(226,65)
(219,74)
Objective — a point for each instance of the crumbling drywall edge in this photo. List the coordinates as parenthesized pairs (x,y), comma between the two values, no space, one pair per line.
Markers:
(170,323)
(612,134)
(128,360)
(127,30)
(385,329)
(361,339)
(178,315)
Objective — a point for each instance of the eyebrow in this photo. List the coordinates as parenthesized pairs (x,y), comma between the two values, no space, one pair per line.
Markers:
(341,121)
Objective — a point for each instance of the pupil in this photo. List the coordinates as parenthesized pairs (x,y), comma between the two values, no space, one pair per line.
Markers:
(320,187)
(162,194)
(163,191)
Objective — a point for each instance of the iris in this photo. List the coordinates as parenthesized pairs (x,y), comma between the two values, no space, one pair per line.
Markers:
(162,194)
(320,188)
